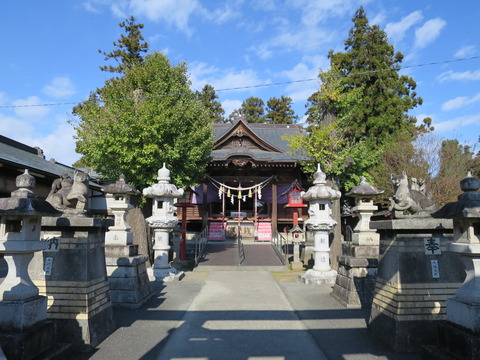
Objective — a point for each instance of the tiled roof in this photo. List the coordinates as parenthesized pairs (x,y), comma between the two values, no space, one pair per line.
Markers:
(16,154)
(270,133)
(24,156)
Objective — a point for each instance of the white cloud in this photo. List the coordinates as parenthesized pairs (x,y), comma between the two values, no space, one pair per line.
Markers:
(454,76)
(14,128)
(230,11)
(429,32)
(119,8)
(266,5)
(288,39)
(59,144)
(378,19)
(59,87)
(466,51)
(309,68)
(173,12)
(455,124)
(30,108)
(315,12)
(460,102)
(230,105)
(396,31)
(3,98)
(201,74)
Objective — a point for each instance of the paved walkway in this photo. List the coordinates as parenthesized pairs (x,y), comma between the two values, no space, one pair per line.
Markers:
(244,313)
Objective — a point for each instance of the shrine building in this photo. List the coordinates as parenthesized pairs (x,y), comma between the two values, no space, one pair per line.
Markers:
(253,181)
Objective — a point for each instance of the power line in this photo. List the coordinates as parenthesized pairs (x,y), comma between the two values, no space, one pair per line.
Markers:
(248,86)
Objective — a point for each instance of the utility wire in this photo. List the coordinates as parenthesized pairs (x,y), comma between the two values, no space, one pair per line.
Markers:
(248,86)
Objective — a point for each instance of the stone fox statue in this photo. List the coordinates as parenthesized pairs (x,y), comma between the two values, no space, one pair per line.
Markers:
(66,193)
(409,201)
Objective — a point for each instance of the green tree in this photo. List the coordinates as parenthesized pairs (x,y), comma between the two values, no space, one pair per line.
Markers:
(209,97)
(455,161)
(129,49)
(252,108)
(138,132)
(367,100)
(279,111)
(369,66)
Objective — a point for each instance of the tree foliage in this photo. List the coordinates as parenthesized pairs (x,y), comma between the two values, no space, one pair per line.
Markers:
(369,67)
(363,102)
(209,97)
(279,111)
(455,161)
(129,49)
(134,136)
(253,108)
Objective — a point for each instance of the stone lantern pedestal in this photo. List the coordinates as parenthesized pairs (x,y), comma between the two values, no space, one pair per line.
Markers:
(357,270)
(25,331)
(126,270)
(459,336)
(163,221)
(320,222)
(298,236)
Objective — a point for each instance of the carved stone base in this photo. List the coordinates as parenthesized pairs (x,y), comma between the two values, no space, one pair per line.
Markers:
(319,277)
(464,314)
(128,281)
(31,343)
(355,283)
(21,315)
(456,342)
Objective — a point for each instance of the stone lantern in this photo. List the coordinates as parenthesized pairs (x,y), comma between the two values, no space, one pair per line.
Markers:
(320,222)
(118,200)
(163,221)
(126,270)
(459,336)
(355,284)
(364,208)
(21,307)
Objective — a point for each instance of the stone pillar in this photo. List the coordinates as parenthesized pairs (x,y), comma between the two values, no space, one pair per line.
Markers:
(25,332)
(163,220)
(126,270)
(415,277)
(459,336)
(75,280)
(320,222)
(357,270)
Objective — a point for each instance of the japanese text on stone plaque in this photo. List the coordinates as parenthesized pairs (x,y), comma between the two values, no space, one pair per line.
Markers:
(432,246)
(435,269)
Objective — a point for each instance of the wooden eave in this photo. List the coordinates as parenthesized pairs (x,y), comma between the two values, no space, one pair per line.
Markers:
(241,127)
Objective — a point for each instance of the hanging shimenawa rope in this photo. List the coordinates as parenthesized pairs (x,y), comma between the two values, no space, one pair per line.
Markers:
(223,188)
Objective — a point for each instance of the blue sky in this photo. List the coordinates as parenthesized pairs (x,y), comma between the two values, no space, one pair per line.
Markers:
(50,55)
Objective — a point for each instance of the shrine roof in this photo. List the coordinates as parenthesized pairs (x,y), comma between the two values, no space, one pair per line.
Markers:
(17,155)
(269,137)
(24,156)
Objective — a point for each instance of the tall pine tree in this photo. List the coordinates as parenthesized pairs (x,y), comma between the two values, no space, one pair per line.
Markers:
(209,97)
(362,106)
(279,111)
(369,67)
(129,49)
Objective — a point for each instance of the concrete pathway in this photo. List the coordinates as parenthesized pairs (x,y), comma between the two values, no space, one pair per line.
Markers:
(241,315)
(247,313)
